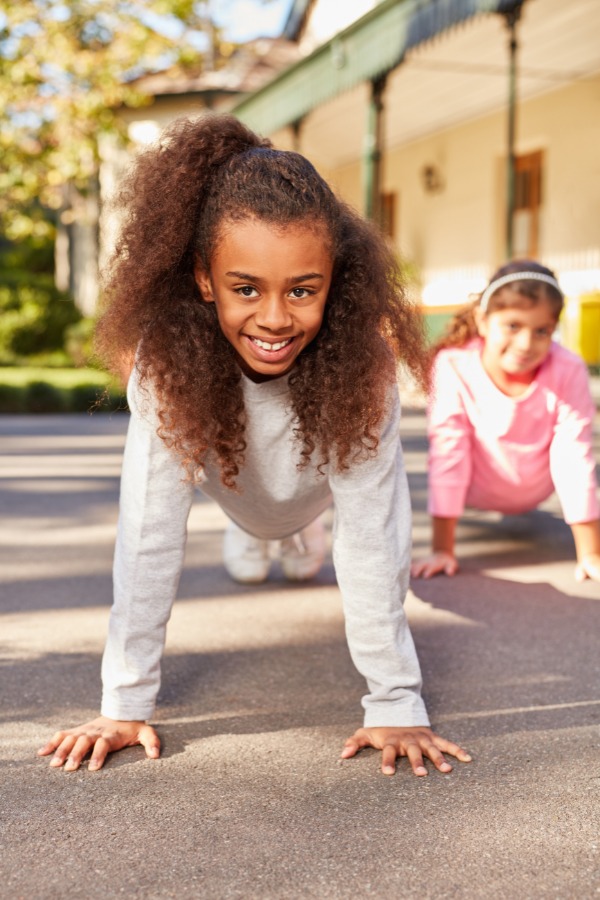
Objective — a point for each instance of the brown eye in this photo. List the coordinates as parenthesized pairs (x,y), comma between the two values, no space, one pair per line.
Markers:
(246,291)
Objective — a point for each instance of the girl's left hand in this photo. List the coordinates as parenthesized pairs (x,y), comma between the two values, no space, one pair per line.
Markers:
(414,742)
(588,567)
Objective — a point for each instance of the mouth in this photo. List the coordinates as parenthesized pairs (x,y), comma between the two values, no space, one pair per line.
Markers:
(280,351)
(523,360)
(271,346)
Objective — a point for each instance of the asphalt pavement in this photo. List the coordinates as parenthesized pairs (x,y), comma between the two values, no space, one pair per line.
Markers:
(249,798)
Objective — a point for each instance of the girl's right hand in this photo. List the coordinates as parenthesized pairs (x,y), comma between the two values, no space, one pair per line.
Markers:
(588,567)
(438,563)
(102,736)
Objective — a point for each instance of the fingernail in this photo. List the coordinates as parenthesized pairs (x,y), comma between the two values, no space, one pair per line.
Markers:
(420,770)
(94,764)
(388,770)
(55,761)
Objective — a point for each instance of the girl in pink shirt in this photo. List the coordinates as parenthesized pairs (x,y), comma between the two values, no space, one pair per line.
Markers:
(510,418)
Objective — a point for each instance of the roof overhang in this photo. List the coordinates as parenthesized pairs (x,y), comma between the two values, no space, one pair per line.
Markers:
(458,76)
(374,45)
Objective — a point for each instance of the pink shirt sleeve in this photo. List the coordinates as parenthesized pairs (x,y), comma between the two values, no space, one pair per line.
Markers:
(572,463)
(450,431)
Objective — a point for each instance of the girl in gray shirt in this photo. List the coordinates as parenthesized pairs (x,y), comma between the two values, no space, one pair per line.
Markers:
(265,321)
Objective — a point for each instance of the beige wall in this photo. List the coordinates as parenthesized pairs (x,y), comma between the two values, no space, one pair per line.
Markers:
(455,235)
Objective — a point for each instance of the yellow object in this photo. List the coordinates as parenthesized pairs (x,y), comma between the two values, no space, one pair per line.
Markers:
(580,326)
(589,328)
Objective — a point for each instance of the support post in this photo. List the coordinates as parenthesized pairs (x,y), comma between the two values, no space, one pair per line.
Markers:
(296,128)
(512,18)
(374,149)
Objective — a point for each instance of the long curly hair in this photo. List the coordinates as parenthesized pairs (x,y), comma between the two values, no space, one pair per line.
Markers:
(521,293)
(202,173)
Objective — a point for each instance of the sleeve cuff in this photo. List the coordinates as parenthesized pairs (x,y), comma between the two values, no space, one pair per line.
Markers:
(396,715)
(446,501)
(112,709)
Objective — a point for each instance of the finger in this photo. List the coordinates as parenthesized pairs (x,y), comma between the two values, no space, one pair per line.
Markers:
(451,748)
(437,758)
(351,748)
(451,567)
(416,569)
(63,750)
(52,744)
(580,573)
(150,741)
(432,569)
(358,741)
(415,757)
(100,752)
(388,759)
(79,750)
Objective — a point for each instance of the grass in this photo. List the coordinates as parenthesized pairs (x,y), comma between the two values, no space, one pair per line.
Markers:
(26,390)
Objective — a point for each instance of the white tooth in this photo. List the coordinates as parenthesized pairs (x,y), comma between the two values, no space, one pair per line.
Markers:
(265,346)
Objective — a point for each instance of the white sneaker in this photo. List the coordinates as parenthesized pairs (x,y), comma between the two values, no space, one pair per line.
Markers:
(302,554)
(245,557)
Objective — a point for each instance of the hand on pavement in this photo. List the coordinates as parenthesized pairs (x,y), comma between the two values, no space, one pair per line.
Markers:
(438,563)
(101,736)
(588,567)
(414,742)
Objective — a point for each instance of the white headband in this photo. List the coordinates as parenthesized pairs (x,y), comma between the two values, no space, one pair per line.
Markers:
(515,276)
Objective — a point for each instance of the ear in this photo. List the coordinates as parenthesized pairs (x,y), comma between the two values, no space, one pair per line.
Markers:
(480,321)
(202,279)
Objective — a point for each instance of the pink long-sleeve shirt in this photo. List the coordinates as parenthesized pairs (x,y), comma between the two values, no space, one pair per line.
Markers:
(508,454)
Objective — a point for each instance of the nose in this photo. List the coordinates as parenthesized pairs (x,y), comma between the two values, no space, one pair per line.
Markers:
(525,339)
(273,314)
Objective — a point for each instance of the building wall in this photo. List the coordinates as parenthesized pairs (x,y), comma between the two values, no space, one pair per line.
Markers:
(454,233)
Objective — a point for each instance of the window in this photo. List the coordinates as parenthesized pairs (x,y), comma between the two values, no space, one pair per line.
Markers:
(528,200)
(388,214)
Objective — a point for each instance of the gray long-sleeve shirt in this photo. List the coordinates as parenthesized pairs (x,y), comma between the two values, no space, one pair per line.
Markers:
(371,547)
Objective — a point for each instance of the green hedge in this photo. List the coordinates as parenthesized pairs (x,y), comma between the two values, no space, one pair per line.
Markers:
(34,316)
(29,390)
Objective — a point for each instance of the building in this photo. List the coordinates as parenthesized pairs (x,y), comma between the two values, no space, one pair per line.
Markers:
(469,128)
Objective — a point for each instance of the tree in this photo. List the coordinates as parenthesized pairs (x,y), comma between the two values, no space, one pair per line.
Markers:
(65,70)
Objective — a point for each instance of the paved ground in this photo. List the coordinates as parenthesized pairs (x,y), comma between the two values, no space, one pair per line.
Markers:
(249,798)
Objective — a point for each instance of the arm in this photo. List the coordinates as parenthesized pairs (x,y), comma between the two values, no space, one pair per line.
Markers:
(573,468)
(151,537)
(587,546)
(448,469)
(154,507)
(372,528)
(442,558)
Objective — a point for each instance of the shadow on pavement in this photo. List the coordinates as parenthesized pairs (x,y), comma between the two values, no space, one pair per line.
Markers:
(498,657)
(501,656)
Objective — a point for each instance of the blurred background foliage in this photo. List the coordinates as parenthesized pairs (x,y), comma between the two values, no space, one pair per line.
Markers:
(66,70)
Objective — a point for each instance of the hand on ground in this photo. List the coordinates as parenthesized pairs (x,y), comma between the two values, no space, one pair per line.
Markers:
(588,567)
(436,564)
(414,742)
(100,736)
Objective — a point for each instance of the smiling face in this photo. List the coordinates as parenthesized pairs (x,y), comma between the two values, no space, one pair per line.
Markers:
(270,287)
(516,342)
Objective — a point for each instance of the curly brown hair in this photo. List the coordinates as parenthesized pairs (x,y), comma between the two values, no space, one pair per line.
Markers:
(521,293)
(211,170)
